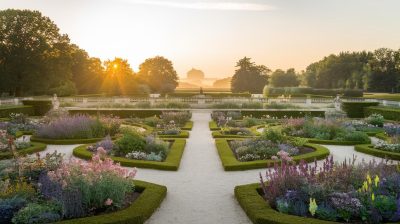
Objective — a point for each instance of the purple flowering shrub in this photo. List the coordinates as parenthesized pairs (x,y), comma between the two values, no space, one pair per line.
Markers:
(78,127)
(341,192)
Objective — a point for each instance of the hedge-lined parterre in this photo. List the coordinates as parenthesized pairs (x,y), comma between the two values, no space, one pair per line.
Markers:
(357,109)
(387,113)
(64,141)
(369,149)
(5,111)
(230,163)
(171,162)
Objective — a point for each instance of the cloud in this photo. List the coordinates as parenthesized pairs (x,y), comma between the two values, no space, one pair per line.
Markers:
(228,6)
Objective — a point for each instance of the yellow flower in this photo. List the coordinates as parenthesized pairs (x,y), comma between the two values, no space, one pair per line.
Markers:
(369,179)
(376,180)
(313,206)
(373,197)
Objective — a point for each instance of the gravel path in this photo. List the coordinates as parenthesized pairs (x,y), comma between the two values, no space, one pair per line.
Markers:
(201,191)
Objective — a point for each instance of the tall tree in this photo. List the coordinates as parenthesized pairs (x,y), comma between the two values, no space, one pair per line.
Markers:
(249,77)
(119,78)
(34,56)
(280,78)
(159,74)
(385,71)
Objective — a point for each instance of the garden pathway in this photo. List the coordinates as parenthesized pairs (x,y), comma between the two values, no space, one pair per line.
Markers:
(201,191)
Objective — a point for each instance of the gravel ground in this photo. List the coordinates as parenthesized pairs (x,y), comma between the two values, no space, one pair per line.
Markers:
(201,191)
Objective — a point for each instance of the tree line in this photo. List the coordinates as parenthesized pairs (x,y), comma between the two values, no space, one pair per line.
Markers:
(36,59)
(377,71)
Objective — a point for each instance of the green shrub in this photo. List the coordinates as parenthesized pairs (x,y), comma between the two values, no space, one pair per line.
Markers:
(7,110)
(130,142)
(38,213)
(376,120)
(356,109)
(121,113)
(41,107)
(284,113)
(386,112)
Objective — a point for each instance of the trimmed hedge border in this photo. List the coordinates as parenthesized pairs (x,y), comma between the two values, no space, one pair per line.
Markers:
(230,163)
(36,147)
(368,149)
(387,113)
(171,162)
(138,212)
(149,130)
(213,126)
(259,211)
(40,107)
(123,113)
(65,141)
(188,126)
(21,133)
(218,134)
(333,142)
(6,111)
(382,136)
(356,109)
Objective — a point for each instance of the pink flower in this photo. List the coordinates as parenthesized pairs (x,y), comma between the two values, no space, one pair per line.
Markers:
(108,202)
(101,151)
(274,157)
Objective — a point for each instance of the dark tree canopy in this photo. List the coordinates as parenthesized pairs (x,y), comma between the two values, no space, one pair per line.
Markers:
(249,77)
(159,74)
(34,56)
(280,78)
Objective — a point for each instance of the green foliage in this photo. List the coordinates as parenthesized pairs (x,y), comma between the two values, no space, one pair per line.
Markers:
(386,205)
(285,113)
(273,135)
(304,91)
(280,78)
(10,206)
(356,109)
(129,142)
(41,107)
(35,147)
(376,120)
(38,213)
(6,111)
(369,149)
(386,112)
(159,74)
(249,77)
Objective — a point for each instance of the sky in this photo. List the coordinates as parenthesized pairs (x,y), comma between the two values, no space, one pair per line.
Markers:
(212,35)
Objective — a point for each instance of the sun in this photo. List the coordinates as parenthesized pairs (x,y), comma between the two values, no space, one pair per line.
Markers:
(115,66)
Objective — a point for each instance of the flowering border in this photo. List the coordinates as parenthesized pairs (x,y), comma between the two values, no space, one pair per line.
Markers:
(171,163)
(259,212)
(141,209)
(65,141)
(230,163)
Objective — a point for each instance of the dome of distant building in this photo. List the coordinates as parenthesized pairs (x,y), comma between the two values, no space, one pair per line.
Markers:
(195,74)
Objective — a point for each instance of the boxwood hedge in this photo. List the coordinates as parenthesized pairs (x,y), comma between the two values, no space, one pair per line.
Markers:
(36,147)
(64,141)
(369,149)
(283,113)
(230,163)
(356,109)
(122,113)
(387,113)
(184,133)
(41,107)
(259,211)
(151,196)
(213,126)
(172,161)
(218,134)
(334,142)
(188,126)
(6,111)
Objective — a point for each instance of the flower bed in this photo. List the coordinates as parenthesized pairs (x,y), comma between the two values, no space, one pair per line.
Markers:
(171,161)
(49,189)
(333,192)
(9,147)
(230,162)
(321,131)
(234,133)
(151,196)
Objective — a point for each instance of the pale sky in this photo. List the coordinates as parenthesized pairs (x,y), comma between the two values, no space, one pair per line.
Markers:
(212,35)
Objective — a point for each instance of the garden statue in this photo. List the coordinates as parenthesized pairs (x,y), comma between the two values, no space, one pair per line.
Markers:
(55,102)
(201,91)
(337,102)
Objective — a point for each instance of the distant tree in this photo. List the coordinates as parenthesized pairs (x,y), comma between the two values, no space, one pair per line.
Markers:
(195,74)
(384,70)
(223,83)
(249,77)
(280,78)
(119,78)
(87,72)
(159,74)
(34,56)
